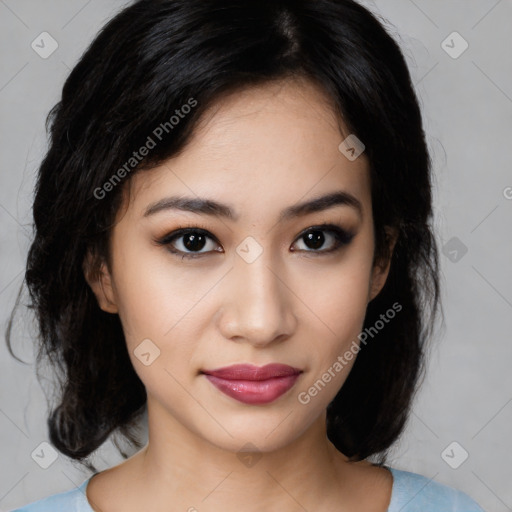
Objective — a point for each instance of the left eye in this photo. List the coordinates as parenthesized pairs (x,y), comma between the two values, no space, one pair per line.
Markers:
(314,238)
(195,240)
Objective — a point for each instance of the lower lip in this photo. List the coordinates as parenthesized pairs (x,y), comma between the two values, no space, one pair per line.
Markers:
(254,391)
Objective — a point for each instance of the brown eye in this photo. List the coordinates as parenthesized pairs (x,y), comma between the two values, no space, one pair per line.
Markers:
(327,234)
(189,242)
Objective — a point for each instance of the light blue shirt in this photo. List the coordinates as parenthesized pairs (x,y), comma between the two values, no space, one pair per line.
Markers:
(411,492)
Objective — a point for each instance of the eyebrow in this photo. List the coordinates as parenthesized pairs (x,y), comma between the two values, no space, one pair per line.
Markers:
(214,208)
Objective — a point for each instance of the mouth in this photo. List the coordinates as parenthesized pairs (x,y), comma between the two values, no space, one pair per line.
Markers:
(252,384)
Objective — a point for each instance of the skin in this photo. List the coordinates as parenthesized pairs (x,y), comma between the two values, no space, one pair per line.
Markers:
(260,151)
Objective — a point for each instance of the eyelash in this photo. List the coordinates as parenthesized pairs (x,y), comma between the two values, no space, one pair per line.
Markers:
(342,238)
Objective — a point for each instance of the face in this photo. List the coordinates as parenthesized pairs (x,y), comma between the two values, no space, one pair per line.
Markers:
(256,281)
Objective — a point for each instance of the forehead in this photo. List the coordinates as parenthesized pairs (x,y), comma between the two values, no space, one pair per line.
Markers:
(259,148)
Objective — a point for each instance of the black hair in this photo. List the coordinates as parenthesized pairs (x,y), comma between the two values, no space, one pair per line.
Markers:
(148,61)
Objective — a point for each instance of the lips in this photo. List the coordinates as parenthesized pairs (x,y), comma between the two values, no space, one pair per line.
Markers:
(252,384)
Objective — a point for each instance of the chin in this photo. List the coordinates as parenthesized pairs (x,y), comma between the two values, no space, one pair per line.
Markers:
(264,432)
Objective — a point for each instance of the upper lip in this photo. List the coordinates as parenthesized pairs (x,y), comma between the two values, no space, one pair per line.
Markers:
(251,372)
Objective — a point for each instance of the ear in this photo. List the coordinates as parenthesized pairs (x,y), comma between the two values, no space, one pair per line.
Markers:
(99,279)
(380,270)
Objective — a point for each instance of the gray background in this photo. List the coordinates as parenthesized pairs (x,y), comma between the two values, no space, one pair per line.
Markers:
(467,104)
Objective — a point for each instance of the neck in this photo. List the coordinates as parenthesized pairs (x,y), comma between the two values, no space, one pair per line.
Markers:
(176,464)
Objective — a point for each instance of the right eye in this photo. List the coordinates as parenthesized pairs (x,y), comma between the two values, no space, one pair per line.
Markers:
(192,239)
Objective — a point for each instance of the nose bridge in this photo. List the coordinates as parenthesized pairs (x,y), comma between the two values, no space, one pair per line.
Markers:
(259,309)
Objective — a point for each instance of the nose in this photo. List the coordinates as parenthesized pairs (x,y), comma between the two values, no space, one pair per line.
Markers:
(258,308)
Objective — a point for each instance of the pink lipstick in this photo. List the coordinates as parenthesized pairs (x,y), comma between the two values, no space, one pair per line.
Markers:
(253,384)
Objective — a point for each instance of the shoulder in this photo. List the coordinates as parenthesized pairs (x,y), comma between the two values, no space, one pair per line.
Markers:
(73,500)
(416,493)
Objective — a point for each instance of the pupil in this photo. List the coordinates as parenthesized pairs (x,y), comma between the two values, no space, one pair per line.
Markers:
(315,239)
(194,242)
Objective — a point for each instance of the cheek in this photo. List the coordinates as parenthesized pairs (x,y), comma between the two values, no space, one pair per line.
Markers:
(337,294)
(338,298)
(169,304)
(157,309)
(152,292)
(336,301)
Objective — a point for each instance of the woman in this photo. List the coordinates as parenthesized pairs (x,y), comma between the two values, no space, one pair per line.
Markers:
(233,233)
